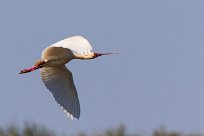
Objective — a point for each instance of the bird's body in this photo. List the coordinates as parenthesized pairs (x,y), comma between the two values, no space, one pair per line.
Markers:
(57,78)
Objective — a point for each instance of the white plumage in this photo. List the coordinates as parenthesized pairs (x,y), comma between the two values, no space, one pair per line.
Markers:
(60,83)
(57,78)
(78,44)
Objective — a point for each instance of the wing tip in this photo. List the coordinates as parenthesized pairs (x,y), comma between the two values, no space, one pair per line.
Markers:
(69,115)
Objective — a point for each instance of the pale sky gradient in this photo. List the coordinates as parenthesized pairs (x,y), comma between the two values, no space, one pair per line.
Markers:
(157,79)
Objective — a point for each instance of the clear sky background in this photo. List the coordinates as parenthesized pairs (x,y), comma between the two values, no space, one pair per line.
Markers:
(157,79)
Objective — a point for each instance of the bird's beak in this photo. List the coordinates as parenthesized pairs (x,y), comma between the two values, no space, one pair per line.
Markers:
(100,54)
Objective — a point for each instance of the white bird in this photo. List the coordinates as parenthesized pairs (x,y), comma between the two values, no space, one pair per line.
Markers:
(57,78)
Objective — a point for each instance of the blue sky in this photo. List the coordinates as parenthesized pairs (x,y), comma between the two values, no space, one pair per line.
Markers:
(157,79)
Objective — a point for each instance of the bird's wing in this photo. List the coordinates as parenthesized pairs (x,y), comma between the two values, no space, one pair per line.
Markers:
(78,44)
(57,53)
(60,82)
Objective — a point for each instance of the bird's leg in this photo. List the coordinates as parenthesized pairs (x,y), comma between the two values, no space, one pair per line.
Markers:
(38,64)
(28,70)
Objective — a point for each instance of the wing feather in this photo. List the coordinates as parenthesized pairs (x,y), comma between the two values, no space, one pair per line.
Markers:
(60,83)
(77,44)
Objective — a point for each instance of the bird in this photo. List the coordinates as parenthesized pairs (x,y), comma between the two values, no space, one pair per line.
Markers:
(55,75)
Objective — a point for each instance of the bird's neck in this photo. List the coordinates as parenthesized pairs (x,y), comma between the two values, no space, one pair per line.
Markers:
(91,55)
(84,56)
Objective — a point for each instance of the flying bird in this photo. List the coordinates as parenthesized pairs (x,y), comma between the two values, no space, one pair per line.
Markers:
(57,78)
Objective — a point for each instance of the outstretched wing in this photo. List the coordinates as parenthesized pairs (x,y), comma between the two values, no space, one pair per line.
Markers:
(60,82)
(77,44)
